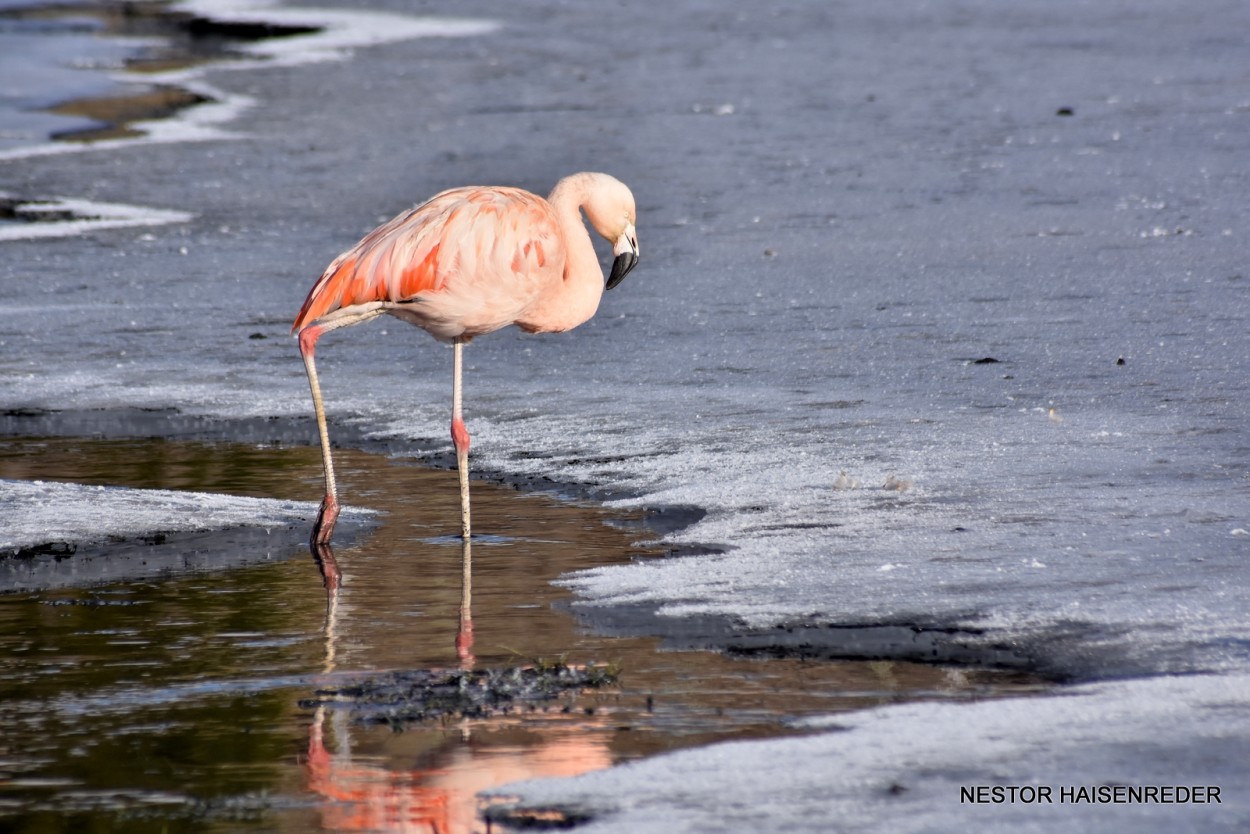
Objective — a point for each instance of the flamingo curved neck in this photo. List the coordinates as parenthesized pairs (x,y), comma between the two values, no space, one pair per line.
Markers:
(574,300)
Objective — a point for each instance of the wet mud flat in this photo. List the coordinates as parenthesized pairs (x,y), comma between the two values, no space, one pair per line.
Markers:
(247,693)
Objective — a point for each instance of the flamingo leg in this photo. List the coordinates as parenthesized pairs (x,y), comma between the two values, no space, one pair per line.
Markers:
(329,512)
(460,435)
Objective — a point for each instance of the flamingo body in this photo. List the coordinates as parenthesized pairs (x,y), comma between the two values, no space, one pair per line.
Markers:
(467,262)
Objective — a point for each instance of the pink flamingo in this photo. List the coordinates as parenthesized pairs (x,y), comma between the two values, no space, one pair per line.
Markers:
(467,262)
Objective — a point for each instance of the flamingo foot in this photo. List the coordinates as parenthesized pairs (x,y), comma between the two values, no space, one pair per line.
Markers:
(323,529)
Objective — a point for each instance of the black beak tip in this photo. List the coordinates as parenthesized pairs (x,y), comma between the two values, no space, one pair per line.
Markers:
(620,268)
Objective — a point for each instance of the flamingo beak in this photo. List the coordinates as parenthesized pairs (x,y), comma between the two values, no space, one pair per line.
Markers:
(626,252)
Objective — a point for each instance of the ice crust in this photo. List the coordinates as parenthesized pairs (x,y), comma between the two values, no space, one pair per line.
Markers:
(39,512)
(72,535)
(902,769)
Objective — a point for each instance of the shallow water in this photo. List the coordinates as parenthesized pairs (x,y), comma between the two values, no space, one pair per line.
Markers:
(176,701)
(57,60)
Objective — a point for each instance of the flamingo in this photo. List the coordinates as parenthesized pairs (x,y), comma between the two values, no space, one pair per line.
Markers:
(470,261)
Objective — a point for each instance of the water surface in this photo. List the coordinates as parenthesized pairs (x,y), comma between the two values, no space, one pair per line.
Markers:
(174,704)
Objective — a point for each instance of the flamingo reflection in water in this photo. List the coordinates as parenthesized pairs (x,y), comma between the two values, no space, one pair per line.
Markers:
(427,779)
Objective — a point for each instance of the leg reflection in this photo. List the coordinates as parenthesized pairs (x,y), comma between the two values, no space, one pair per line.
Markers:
(323,555)
(464,633)
(427,778)
(332,578)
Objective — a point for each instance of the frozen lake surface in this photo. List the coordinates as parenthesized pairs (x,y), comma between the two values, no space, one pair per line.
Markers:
(939,324)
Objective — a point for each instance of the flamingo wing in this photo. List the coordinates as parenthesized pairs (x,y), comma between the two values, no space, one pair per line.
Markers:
(493,246)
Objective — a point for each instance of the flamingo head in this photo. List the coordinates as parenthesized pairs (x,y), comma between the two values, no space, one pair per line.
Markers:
(610,209)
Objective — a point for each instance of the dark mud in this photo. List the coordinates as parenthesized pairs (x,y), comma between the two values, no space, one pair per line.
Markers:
(400,699)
